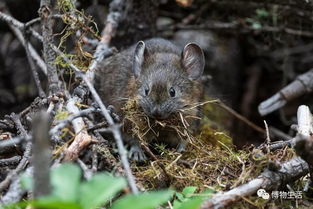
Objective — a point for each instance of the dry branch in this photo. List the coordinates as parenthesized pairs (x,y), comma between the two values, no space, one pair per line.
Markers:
(269,179)
(114,128)
(108,33)
(10,161)
(82,138)
(41,155)
(15,192)
(303,84)
(304,144)
(237,26)
(17,24)
(32,66)
(16,27)
(61,124)
(48,53)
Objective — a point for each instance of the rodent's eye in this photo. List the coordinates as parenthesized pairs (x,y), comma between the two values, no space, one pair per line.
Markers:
(146,91)
(172,92)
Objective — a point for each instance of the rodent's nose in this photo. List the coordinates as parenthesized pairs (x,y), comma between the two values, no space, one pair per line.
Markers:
(156,113)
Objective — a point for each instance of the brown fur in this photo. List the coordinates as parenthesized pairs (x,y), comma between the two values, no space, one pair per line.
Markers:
(161,68)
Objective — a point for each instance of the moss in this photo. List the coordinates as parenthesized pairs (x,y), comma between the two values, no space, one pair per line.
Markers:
(210,159)
(61,115)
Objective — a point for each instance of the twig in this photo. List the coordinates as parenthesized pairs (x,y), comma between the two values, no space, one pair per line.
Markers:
(15,192)
(268,180)
(281,144)
(242,118)
(17,24)
(237,26)
(82,138)
(285,52)
(11,142)
(87,172)
(5,183)
(19,35)
(108,33)
(38,19)
(61,124)
(48,53)
(32,66)
(94,159)
(268,139)
(10,161)
(115,128)
(278,133)
(303,84)
(41,155)
(146,148)
(304,144)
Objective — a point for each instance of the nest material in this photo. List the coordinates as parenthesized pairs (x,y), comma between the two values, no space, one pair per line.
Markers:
(202,164)
(139,125)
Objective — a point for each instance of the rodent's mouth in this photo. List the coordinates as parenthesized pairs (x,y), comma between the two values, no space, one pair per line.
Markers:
(157,115)
(161,117)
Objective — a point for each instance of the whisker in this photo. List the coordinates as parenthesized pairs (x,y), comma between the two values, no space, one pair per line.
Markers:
(122,99)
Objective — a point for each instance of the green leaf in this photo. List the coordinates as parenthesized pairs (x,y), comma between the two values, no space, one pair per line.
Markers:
(180,196)
(261,13)
(26,181)
(176,204)
(208,191)
(143,201)
(188,191)
(100,189)
(17,205)
(65,180)
(44,203)
(256,25)
(193,203)
(52,203)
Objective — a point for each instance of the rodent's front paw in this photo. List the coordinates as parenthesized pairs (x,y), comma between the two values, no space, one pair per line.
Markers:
(136,153)
(181,147)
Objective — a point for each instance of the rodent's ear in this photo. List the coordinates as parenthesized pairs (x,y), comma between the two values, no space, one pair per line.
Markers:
(193,60)
(138,58)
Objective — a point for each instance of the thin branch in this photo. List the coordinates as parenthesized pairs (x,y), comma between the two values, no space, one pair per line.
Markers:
(279,134)
(61,124)
(82,138)
(48,53)
(10,161)
(240,117)
(11,142)
(268,180)
(16,28)
(303,84)
(41,154)
(33,67)
(15,192)
(115,128)
(5,183)
(108,33)
(17,24)
(268,139)
(237,26)
(38,19)
(86,171)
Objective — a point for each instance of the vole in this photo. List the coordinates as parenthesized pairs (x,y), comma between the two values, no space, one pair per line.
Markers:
(161,76)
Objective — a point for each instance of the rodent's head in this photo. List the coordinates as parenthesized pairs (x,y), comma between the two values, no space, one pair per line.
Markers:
(165,81)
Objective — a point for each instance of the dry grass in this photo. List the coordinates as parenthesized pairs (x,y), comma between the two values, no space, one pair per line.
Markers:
(210,160)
